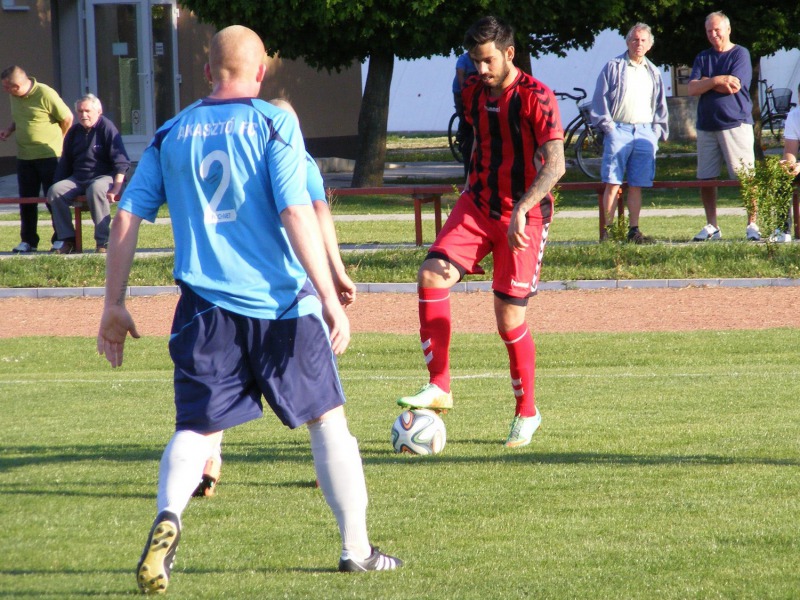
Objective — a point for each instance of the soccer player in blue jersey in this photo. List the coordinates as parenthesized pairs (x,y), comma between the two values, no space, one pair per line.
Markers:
(345,287)
(258,313)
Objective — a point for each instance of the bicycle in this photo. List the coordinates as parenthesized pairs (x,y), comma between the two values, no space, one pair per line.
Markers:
(775,106)
(589,141)
(454,138)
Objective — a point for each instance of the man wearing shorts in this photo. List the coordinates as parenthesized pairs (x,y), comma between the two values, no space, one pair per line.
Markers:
(258,313)
(345,288)
(505,210)
(630,108)
(721,78)
(791,147)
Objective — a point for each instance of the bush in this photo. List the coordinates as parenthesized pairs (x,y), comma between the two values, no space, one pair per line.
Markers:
(767,191)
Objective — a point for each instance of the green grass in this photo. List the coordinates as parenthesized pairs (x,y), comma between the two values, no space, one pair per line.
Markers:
(667,467)
(563,262)
(586,260)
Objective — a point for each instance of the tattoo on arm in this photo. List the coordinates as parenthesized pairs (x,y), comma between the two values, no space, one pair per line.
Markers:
(551,166)
(120,301)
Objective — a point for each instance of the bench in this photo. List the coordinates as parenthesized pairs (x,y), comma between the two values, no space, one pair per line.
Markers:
(423,194)
(79,204)
(420,194)
(432,194)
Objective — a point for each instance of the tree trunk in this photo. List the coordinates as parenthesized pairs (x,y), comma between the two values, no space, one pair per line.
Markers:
(373,119)
(757,125)
(522,60)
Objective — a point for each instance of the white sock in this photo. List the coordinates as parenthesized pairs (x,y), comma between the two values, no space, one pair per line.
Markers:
(341,478)
(181,470)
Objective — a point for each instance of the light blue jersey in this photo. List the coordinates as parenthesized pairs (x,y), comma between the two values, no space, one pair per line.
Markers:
(315,183)
(227,169)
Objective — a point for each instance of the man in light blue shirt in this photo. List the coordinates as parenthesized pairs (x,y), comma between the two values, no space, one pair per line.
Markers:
(258,315)
(630,108)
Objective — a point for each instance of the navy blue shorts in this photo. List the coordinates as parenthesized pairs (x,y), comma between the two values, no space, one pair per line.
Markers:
(225,362)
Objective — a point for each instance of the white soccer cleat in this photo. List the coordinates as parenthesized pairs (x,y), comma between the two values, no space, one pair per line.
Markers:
(429,396)
(522,430)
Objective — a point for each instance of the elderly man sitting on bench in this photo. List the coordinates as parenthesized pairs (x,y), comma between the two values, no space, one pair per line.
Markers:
(93,164)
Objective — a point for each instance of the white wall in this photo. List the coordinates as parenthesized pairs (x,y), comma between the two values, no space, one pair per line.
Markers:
(421,97)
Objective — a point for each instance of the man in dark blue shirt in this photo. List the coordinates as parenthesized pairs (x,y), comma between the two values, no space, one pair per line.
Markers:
(721,79)
(93,163)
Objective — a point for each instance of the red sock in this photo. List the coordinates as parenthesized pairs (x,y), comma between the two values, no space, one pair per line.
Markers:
(434,333)
(522,364)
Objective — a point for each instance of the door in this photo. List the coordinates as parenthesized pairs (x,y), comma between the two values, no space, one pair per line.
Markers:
(131,65)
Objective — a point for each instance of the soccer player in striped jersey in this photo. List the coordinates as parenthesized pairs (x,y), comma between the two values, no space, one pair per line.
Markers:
(258,314)
(505,209)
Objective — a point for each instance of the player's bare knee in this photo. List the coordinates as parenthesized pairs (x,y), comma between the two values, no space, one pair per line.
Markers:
(437,273)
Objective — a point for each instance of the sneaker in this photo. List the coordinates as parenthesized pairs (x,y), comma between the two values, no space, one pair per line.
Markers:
(522,430)
(430,396)
(709,232)
(208,485)
(377,561)
(23,248)
(152,572)
(637,237)
(780,236)
(56,245)
(67,247)
(101,248)
(752,233)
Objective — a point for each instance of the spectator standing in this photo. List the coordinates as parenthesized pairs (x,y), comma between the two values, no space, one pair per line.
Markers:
(505,210)
(258,313)
(791,146)
(721,78)
(40,119)
(94,163)
(630,108)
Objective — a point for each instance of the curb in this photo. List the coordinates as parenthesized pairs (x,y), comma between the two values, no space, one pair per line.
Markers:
(411,288)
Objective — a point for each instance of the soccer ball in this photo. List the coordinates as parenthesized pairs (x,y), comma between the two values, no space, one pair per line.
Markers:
(419,431)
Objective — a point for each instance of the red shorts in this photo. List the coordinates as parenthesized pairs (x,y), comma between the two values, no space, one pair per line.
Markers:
(469,236)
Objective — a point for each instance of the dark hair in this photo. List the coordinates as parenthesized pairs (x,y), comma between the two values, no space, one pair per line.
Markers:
(12,72)
(489,29)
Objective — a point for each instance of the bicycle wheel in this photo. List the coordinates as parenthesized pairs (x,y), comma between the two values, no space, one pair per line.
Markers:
(569,131)
(452,138)
(776,124)
(589,152)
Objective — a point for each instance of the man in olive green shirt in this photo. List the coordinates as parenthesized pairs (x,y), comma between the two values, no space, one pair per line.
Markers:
(40,119)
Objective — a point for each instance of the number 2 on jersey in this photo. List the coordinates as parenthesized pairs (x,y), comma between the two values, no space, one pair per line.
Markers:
(212,215)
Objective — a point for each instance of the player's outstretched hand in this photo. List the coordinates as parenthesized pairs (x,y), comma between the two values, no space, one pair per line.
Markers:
(115,324)
(338,324)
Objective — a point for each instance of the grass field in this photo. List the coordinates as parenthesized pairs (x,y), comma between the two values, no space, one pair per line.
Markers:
(668,466)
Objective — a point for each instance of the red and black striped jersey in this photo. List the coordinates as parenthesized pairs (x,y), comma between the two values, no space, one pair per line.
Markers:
(508,132)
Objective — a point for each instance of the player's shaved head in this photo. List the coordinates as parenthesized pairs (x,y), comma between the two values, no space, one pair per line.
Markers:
(236,52)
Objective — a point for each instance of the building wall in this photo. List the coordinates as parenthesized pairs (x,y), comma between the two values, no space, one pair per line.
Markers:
(26,39)
(327,104)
